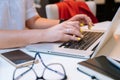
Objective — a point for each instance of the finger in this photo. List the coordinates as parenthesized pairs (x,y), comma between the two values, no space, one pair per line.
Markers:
(70,37)
(74,31)
(73,24)
(90,25)
(86,20)
(81,30)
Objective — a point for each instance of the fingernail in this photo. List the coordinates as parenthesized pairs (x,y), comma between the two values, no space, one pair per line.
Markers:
(81,24)
(81,30)
(90,26)
(78,39)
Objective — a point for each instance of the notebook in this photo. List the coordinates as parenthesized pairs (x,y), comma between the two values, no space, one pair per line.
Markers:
(114,62)
(100,67)
(92,49)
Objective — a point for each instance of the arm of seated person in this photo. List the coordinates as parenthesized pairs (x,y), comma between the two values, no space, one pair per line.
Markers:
(38,22)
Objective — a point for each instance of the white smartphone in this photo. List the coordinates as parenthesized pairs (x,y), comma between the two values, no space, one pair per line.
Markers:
(18,58)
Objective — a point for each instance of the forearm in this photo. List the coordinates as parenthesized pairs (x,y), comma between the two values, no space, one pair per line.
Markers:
(10,39)
(39,22)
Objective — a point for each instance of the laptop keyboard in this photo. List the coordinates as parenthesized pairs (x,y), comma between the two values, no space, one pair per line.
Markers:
(88,39)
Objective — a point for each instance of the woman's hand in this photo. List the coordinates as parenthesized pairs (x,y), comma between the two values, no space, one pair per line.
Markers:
(83,19)
(68,30)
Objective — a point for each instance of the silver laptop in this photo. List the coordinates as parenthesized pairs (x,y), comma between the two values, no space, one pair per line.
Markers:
(85,48)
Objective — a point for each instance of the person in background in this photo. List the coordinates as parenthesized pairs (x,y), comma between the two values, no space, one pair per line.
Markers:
(56,1)
(70,8)
(20,25)
(81,0)
(72,0)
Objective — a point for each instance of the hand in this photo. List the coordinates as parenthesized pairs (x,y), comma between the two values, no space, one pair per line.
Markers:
(82,18)
(68,30)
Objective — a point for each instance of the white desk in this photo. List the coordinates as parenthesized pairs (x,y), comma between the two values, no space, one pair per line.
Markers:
(70,64)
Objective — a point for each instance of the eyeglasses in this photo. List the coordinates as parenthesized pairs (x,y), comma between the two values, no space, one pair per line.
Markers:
(53,71)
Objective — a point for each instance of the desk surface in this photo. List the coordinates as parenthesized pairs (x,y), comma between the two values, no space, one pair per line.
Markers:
(70,64)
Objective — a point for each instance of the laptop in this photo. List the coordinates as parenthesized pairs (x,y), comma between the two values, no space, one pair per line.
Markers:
(74,49)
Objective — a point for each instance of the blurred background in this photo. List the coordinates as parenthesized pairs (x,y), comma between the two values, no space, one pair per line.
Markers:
(105,9)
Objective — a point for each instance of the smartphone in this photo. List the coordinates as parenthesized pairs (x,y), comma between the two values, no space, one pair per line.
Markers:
(18,58)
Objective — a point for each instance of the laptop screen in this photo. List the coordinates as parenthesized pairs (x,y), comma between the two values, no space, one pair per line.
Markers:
(109,33)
